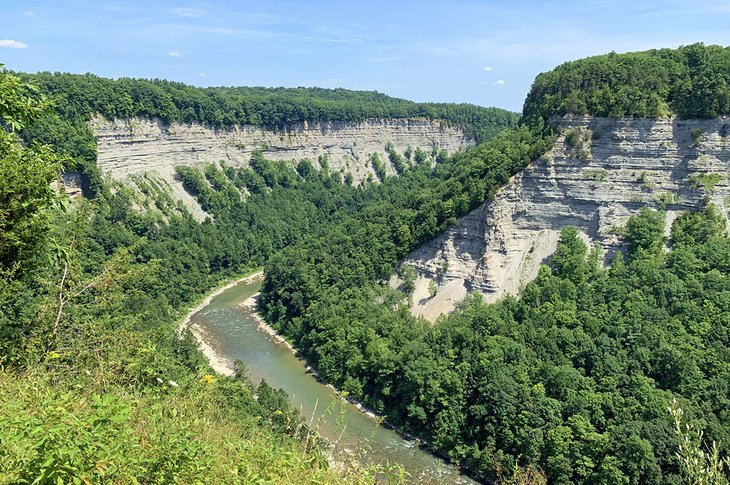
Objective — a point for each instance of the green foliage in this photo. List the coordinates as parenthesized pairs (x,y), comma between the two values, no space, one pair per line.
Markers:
(574,138)
(572,380)
(82,96)
(378,166)
(166,435)
(398,162)
(432,289)
(26,174)
(598,174)
(707,181)
(691,82)
(420,156)
(409,275)
(699,466)
(348,179)
(646,230)
(696,136)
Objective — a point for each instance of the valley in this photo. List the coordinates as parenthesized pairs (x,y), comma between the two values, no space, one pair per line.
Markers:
(542,298)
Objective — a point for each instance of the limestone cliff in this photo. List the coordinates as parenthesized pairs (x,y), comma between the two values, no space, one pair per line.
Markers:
(132,146)
(599,173)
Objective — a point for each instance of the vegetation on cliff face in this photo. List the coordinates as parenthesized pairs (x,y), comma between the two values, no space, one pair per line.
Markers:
(690,82)
(571,382)
(95,385)
(81,96)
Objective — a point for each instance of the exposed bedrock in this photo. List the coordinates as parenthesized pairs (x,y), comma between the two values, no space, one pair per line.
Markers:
(599,173)
(139,145)
(132,146)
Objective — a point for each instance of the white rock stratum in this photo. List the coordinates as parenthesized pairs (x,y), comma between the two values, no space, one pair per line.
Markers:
(132,146)
(610,171)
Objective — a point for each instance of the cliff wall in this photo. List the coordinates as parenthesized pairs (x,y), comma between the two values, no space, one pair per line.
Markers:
(127,147)
(599,173)
(139,145)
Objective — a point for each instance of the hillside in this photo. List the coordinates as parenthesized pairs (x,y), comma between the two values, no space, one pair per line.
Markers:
(690,82)
(570,378)
(132,128)
(600,172)
(598,366)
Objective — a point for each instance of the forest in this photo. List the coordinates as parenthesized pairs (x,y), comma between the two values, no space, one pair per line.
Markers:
(91,293)
(591,375)
(690,82)
(81,96)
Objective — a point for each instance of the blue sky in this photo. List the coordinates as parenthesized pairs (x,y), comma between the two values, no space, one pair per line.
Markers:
(481,52)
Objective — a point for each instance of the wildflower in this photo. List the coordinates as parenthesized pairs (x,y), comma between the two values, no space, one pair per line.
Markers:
(208,379)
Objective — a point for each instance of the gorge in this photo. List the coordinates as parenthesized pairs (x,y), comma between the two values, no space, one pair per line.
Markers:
(573,270)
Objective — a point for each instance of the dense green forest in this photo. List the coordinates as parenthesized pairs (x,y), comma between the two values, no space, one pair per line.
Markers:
(80,96)
(95,384)
(571,382)
(574,377)
(691,82)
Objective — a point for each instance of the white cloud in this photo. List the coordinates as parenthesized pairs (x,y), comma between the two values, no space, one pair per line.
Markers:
(386,59)
(202,75)
(12,44)
(192,13)
(487,68)
(174,54)
(29,13)
(499,82)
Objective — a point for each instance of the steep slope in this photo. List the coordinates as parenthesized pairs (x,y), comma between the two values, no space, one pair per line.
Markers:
(139,145)
(599,173)
(135,145)
(135,126)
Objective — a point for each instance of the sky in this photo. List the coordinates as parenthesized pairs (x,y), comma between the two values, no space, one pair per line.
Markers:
(482,52)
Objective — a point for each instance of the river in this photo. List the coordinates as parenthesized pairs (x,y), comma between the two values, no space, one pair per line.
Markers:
(233,333)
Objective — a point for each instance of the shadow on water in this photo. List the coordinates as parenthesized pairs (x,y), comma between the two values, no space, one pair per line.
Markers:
(233,333)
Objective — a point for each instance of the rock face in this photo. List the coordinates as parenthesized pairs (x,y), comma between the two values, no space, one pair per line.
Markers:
(139,145)
(126,147)
(598,174)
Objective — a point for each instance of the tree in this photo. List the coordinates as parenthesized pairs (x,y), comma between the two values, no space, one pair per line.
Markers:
(26,173)
(645,230)
(569,260)
(409,275)
(432,289)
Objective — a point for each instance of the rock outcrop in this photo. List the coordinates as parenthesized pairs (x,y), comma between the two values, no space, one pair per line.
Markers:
(141,145)
(132,146)
(598,174)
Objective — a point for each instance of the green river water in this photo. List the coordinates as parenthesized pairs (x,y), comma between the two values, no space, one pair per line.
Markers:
(233,333)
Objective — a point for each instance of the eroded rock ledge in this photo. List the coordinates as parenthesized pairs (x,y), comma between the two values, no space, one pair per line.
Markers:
(599,173)
(127,146)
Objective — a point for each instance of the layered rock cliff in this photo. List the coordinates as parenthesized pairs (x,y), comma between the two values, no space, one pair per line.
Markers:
(599,173)
(132,146)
